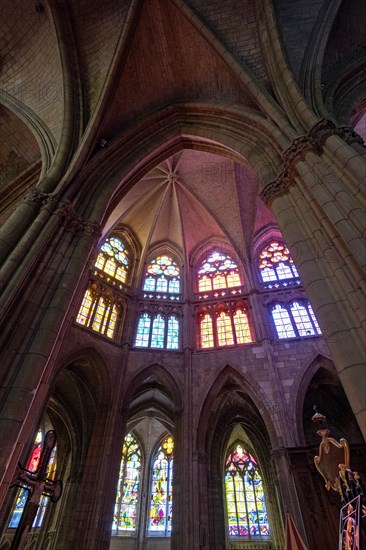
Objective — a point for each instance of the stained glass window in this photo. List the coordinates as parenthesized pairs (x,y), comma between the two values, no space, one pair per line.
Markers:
(98,312)
(158,331)
(224,327)
(276,264)
(224,330)
(218,271)
(245,499)
(173,332)
(282,322)
(160,520)
(294,320)
(22,494)
(162,279)
(206,331)
(127,497)
(113,259)
(242,330)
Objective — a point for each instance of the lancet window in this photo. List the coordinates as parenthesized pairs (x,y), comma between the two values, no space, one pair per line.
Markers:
(158,330)
(160,516)
(100,310)
(221,325)
(245,497)
(294,319)
(128,489)
(23,494)
(276,267)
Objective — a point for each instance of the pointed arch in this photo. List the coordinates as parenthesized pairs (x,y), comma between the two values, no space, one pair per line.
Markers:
(163,376)
(227,381)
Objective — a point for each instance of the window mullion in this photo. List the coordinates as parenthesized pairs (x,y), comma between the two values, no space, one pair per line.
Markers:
(246,504)
(236,503)
(293,322)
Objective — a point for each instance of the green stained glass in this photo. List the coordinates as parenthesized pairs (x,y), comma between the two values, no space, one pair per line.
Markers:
(158,329)
(245,502)
(143,331)
(161,491)
(173,332)
(127,496)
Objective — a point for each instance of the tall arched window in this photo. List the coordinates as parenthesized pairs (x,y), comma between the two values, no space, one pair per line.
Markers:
(218,271)
(276,266)
(244,493)
(162,279)
(113,260)
(160,521)
(128,488)
(99,311)
(22,494)
(223,325)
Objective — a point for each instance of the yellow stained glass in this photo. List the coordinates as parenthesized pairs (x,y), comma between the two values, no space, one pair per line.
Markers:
(219,282)
(85,309)
(112,322)
(204,284)
(121,274)
(224,330)
(99,314)
(207,340)
(242,330)
(233,279)
(100,261)
(110,267)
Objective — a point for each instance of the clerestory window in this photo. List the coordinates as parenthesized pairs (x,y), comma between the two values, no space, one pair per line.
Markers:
(294,319)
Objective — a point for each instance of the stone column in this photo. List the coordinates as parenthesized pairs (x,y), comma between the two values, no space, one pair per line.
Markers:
(26,394)
(318,228)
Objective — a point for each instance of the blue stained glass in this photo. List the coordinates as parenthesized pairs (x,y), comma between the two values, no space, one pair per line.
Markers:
(161,491)
(174,286)
(162,284)
(143,331)
(158,328)
(173,332)
(149,284)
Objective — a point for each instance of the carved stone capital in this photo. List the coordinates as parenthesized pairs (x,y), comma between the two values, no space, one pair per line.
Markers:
(281,452)
(50,201)
(92,228)
(350,136)
(277,188)
(68,217)
(34,196)
(321,132)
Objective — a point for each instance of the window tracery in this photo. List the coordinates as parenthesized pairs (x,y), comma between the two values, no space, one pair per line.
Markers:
(128,488)
(221,325)
(100,310)
(113,260)
(294,319)
(158,330)
(162,279)
(22,494)
(277,269)
(218,274)
(244,493)
(160,517)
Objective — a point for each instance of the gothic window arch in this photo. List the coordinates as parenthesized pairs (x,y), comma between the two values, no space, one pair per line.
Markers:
(294,319)
(246,512)
(23,494)
(162,279)
(101,307)
(159,318)
(276,266)
(126,508)
(218,271)
(161,500)
(113,260)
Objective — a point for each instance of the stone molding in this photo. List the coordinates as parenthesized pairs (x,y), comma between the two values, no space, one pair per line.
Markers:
(281,452)
(313,142)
